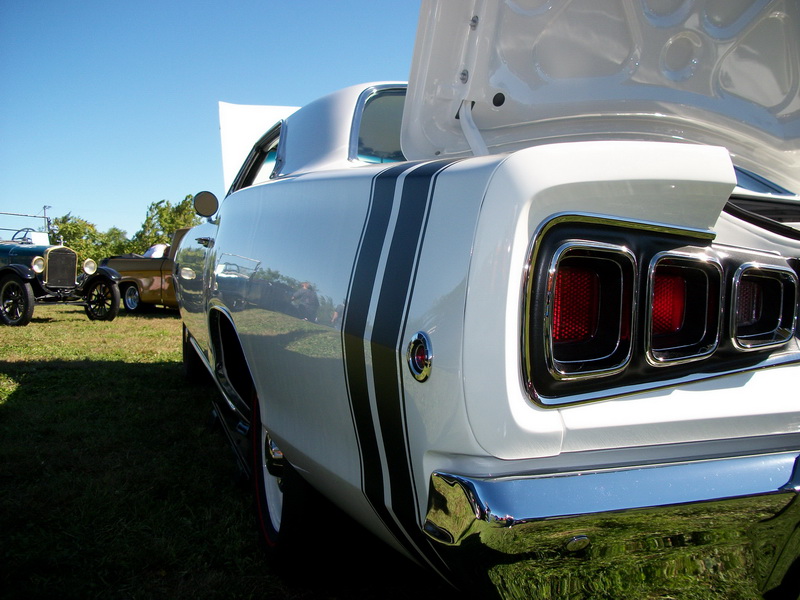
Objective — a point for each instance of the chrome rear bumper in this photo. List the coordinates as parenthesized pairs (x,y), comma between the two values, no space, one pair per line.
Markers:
(721,528)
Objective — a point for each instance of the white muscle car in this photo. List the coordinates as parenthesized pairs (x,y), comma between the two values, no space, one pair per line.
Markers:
(531,319)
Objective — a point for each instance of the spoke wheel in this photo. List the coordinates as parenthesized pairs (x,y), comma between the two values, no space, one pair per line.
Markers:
(16,301)
(102,300)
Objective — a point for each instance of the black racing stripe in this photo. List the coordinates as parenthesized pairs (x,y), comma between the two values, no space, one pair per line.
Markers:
(354,328)
(387,347)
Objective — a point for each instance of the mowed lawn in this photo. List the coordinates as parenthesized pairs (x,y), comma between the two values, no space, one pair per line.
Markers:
(114,484)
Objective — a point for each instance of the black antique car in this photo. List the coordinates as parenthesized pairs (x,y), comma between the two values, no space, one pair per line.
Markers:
(34,270)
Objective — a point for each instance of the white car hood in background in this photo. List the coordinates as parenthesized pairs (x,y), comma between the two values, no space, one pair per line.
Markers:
(722,72)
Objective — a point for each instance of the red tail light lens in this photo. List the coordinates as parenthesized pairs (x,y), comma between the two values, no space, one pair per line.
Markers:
(685,307)
(589,310)
(669,303)
(575,305)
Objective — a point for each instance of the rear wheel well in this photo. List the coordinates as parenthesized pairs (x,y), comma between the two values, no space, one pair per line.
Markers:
(230,365)
(282,497)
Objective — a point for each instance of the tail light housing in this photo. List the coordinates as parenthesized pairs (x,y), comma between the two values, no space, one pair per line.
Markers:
(615,307)
(764,306)
(588,310)
(684,308)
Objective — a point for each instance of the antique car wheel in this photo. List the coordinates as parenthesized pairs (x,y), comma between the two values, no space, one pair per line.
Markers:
(279,498)
(131,300)
(16,301)
(102,300)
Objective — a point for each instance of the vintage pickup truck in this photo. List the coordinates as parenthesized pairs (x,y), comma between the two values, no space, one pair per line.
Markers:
(147,280)
(532,319)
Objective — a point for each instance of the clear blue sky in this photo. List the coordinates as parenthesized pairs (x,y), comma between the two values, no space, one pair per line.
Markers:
(106,107)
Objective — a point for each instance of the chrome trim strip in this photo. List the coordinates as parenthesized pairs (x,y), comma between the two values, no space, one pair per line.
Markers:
(589,218)
(791,356)
(706,348)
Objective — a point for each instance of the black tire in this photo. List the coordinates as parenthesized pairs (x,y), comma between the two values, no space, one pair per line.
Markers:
(280,494)
(16,301)
(131,299)
(102,300)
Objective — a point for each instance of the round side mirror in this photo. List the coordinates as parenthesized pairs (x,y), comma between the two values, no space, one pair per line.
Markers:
(205,204)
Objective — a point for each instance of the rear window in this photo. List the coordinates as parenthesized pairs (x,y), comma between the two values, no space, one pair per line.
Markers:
(379,131)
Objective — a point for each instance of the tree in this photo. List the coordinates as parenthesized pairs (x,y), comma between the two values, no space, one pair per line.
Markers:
(115,242)
(87,241)
(162,220)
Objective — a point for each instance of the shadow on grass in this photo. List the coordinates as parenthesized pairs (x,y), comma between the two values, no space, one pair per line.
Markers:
(148,313)
(113,485)
(151,312)
(40,320)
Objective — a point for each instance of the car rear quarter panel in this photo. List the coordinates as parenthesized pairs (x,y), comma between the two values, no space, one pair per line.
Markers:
(275,237)
(386,251)
(673,184)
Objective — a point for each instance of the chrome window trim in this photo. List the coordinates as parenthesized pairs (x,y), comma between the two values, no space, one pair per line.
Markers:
(785,333)
(277,130)
(552,364)
(699,258)
(361,103)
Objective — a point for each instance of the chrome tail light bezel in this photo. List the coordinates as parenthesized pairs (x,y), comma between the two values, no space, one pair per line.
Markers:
(608,350)
(699,334)
(778,322)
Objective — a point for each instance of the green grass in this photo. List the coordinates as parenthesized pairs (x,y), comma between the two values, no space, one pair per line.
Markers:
(113,484)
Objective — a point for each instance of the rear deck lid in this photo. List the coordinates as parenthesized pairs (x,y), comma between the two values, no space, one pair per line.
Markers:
(721,72)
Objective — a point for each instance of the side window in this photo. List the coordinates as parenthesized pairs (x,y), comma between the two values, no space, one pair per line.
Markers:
(264,171)
(379,130)
(260,163)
